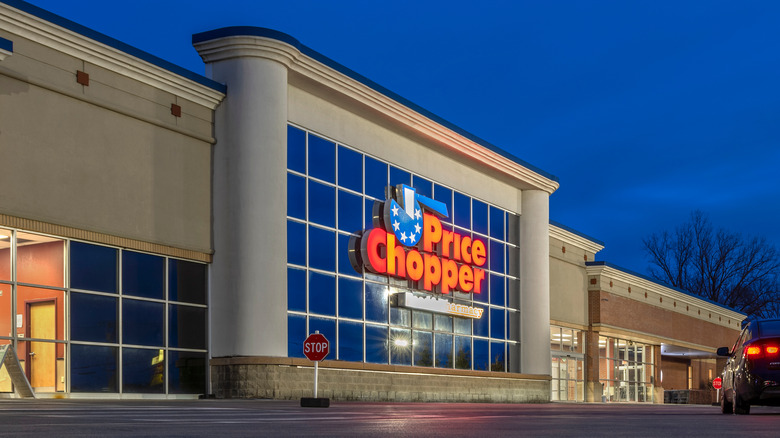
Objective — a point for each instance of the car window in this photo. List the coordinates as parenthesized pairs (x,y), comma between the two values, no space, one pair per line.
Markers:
(769,328)
(740,341)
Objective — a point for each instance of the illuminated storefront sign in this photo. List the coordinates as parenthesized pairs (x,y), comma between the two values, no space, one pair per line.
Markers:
(433,304)
(410,243)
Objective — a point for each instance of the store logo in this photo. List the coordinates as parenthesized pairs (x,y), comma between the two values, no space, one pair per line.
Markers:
(408,241)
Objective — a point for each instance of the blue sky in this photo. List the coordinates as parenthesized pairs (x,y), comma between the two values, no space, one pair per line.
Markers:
(644,110)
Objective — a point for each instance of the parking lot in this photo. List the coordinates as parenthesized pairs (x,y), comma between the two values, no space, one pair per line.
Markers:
(287,418)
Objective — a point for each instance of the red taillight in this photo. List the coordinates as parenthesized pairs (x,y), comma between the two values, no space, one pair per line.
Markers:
(772,350)
(758,351)
(752,351)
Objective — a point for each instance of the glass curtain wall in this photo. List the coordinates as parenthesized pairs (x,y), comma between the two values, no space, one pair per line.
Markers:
(625,370)
(88,318)
(331,191)
(568,364)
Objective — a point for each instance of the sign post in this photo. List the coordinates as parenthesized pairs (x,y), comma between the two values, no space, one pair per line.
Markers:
(316,347)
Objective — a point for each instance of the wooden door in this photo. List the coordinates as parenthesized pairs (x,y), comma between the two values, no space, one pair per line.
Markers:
(43,355)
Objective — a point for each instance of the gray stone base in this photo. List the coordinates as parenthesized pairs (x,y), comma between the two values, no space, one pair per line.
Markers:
(292,379)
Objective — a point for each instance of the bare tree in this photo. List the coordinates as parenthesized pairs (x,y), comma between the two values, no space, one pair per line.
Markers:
(721,266)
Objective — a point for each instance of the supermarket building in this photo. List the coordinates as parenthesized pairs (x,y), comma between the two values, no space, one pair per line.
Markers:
(166,234)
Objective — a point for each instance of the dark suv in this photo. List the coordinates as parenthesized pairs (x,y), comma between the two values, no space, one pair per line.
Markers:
(752,373)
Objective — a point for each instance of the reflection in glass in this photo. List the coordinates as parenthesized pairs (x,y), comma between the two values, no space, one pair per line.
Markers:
(322,198)
(422,320)
(296,196)
(296,334)
(443,350)
(350,341)
(143,370)
(142,322)
(400,317)
(296,289)
(186,327)
(422,346)
(479,217)
(398,176)
(323,249)
(350,299)
(296,243)
(376,344)
(497,323)
(322,159)
(376,178)
(350,169)
(44,364)
(481,355)
(376,302)
(400,346)
(461,210)
(442,323)
(186,372)
(497,356)
(350,212)
(93,318)
(463,352)
(93,368)
(40,260)
(296,149)
(322,294)
(462,326)
(142,275)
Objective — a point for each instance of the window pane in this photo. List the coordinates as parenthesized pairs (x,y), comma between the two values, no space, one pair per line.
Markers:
(142,323)
(496,257)
(296,149)
(462,213)
(350,299)
(422,186)
(513,293)
(497,290)
(186,281)
(513,228)
(345,264)
(322,294)
(5,255)
(6,311)
(422,343)
(350,212)
(463,352)
(323,249)
(376,344)
(481,355)
(186,327)
(143,371)
(443,194)
(93,318)
(497,223)
(186,372)
(143,274)
(296,243)
(376,178)
(39,260)
(296,289)
(513,319)
(322,159)
(322,202)
(296,196)
(398,176)
(350,341)
(443,346)
(93,267)
(462,325)
(513,261)
(296,334)
(327,328)
(482,325)
(350,169)
(442,323)
(43,312)
(93,368)
(422,320)
(400,317)
(497,356)
(376,302)
(479,216)
(400,346)
(497,323)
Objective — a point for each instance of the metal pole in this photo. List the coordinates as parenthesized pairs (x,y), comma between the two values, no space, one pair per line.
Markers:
(316,371)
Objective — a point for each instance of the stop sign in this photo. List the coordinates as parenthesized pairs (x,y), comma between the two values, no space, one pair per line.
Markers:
(316,347)
(717,383)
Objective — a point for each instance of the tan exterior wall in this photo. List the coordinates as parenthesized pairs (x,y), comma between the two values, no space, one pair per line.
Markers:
(568,285)
(107,157)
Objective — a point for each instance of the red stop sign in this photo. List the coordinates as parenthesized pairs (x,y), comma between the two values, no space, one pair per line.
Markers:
(316,347)
(717,383)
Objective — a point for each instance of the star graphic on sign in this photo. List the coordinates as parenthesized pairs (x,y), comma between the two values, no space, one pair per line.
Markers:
(417,214)
(396,226)
(413,237)
(417,228)
(395,210)
(403,237)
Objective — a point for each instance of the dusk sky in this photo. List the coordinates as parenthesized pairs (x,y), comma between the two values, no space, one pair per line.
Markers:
(645,111)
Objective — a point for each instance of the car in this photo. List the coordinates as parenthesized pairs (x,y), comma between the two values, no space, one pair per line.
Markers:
(752,372)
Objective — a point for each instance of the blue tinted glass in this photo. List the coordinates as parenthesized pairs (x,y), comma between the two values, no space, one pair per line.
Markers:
(398,176)
(322,159)
(93,267)
(481,355)
(350,169)
(479,215)
(296,289)
(368,220)
(93,368)
(345,265)
(497,323)
(484,295)
(376,302)
(350,341)
(186,327)
(422,344)
(513,293)
(400,316)
(186,281)
(350,212)
(143,371)
(513,228)
(497,356)
(376,344)
(400,346)
(142,275)
(422,186)
(443,347)
(93,318)
(296,196)
(327,328)
(350,298)
(322,294)
(296,334)
(513,261)
(443,194)
(376,178)
(463,352)
(323,249)
(514,325)
(186,372)
(496,257)
(322,204)
(482,325)
(296,149)
(462,213)
(496,223)
(497,291)
(142,323)
(296,243)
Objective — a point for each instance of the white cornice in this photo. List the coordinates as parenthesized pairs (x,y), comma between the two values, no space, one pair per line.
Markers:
(4,54)
(74,44)
(575,240)
(269,48)
(616,274)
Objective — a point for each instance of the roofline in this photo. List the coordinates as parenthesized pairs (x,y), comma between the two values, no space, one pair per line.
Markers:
(578,233)
(262,32)
(114,43)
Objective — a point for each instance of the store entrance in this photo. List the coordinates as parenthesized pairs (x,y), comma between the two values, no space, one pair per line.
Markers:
(42,317)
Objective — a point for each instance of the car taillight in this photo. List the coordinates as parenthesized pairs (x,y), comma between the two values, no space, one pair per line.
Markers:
(772,350)
(758,351)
